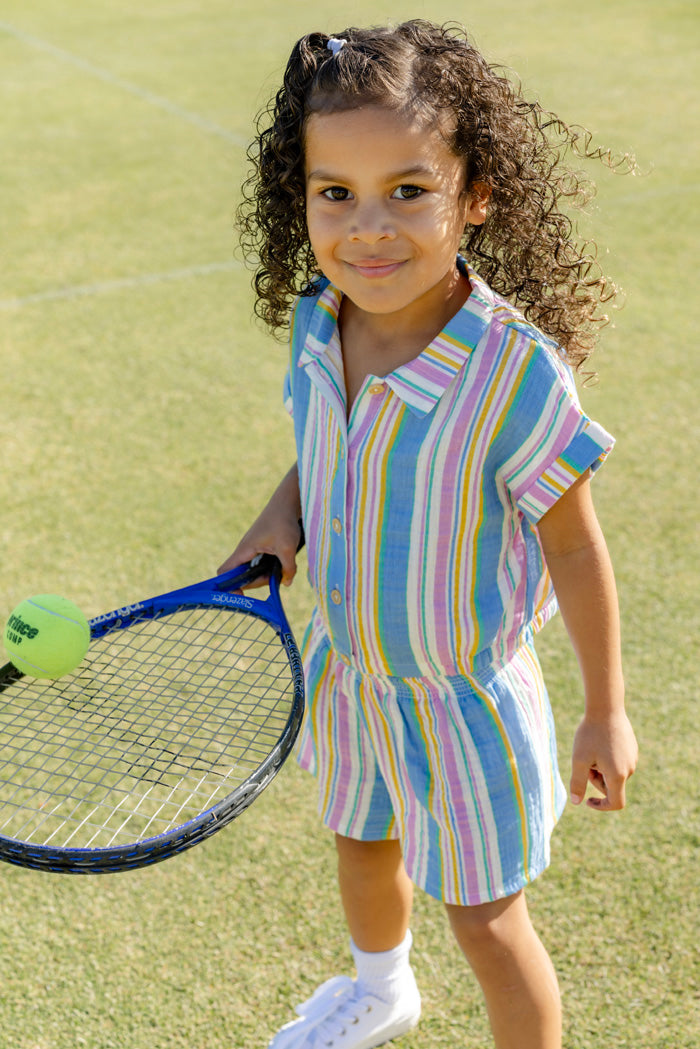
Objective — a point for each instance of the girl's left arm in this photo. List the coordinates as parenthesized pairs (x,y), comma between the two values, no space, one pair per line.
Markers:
(605,748)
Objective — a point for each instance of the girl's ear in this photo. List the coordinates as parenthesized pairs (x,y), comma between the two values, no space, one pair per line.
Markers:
(478,199)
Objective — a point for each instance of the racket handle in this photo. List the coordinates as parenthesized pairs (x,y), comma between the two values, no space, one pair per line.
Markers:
(261,565)
(266,564)
(270,564)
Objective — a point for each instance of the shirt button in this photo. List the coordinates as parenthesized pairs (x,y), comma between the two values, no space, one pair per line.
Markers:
(336,597)
(377,387)
(337,526)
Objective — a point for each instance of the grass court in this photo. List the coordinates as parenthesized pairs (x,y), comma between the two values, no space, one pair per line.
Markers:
(141,428)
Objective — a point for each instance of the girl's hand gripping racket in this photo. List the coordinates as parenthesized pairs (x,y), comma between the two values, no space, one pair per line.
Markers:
(183,710)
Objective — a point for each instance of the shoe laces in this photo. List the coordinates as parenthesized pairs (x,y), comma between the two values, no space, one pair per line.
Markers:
(336,1006)
(336,1025)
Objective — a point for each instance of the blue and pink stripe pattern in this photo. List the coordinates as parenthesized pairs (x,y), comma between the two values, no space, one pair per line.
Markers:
(420,510)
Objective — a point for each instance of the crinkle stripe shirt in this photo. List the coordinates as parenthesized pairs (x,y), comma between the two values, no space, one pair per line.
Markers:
(420,507)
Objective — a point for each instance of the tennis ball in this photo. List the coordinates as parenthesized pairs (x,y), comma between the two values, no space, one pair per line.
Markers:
(46,636)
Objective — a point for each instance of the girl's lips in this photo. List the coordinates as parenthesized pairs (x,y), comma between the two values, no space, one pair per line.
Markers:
(374,268)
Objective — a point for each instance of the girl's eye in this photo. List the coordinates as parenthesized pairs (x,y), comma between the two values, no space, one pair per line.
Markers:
(336,193)
(407,192)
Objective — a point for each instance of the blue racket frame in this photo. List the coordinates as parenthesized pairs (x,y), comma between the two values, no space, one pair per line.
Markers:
(214,592)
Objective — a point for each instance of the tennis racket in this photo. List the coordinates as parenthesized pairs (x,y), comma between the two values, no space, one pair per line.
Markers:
(183,710)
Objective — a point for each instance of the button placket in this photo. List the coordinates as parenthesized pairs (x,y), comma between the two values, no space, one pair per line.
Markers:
(337,565)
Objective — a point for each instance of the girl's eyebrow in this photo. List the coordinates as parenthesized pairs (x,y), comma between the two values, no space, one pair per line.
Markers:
(418,171)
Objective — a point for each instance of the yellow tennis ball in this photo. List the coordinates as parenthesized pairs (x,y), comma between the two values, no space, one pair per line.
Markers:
(46,636)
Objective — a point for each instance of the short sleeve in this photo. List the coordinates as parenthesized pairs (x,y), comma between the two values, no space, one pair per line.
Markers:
(559,442)
(302,308)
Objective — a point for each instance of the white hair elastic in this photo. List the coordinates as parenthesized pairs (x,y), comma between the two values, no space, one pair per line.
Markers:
(335,44)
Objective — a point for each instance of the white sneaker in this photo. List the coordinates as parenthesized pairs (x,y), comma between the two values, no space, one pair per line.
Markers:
(339,1016)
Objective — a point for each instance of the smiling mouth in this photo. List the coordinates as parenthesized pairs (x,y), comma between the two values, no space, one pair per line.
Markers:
(375,268)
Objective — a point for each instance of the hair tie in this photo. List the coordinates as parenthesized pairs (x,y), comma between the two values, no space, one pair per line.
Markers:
(335,44)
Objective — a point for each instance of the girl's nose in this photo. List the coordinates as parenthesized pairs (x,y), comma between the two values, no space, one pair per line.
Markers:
(370,223)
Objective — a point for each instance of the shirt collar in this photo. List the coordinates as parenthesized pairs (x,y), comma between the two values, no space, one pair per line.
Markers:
(423,381)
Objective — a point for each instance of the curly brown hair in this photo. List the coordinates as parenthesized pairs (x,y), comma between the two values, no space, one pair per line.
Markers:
(528,249)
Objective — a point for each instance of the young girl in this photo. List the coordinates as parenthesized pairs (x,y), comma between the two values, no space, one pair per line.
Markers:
(403,193)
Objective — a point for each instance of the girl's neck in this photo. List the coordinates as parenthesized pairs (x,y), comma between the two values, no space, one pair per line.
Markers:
(378,344)
(416,325)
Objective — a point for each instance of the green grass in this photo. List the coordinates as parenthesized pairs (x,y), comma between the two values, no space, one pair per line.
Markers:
(141,427)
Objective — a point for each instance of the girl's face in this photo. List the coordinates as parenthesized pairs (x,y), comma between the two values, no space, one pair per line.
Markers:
(386,207)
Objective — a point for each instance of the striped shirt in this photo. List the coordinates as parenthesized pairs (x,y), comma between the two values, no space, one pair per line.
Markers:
(420,508)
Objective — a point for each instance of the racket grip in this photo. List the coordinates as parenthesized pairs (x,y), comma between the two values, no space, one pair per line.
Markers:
(265,564)
(261,565)
(270,564)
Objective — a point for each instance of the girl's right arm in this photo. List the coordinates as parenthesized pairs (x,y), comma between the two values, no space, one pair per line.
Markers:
(276,531)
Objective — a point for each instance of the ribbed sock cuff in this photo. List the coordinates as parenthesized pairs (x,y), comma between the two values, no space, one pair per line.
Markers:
(384,973)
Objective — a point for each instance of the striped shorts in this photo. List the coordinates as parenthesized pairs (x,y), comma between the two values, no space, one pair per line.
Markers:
(462,770)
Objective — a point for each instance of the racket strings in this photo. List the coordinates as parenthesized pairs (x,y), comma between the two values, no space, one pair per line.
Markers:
(161,721)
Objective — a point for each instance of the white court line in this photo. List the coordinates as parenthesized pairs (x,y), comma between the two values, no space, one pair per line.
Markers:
(103,287)
(124,85)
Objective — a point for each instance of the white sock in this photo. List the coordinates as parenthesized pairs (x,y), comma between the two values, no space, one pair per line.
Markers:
(385,974)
